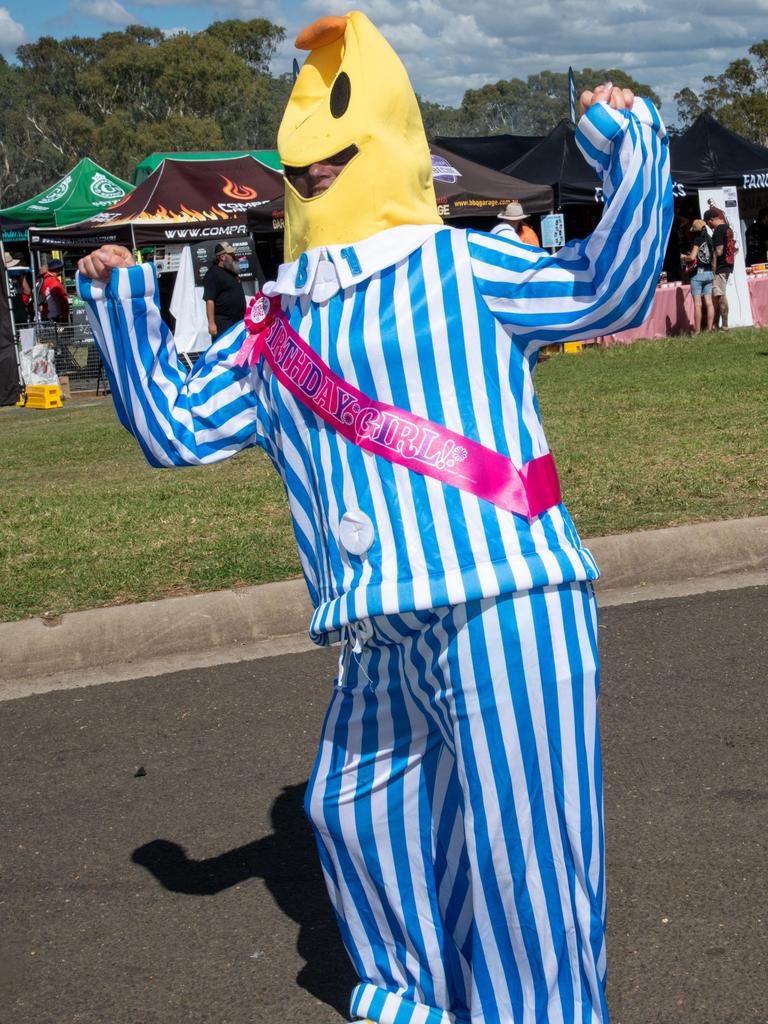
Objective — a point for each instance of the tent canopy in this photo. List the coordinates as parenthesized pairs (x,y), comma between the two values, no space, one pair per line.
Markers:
(182,201)
(462,188)
(87,189)
(494,151)
(557,161)
(709,155)
(268,157)
(469,190)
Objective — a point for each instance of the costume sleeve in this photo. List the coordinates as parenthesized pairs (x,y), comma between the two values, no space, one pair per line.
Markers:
(179,418)
(603,283)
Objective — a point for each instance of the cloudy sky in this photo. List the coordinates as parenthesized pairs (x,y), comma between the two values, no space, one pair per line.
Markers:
(451,45)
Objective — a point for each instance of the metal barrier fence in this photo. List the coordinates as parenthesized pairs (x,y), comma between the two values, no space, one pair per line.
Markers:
(75,354)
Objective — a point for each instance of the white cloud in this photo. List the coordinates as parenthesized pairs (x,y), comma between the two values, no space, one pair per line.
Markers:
(110,11)
(12,33)
(271,9)
(449,46)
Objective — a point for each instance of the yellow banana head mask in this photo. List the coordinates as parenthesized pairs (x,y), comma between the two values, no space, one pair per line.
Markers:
(353,95)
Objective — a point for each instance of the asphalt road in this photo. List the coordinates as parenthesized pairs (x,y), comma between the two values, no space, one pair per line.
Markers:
(156,866)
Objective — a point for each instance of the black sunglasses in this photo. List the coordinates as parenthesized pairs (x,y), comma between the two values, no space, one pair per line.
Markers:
(337,160)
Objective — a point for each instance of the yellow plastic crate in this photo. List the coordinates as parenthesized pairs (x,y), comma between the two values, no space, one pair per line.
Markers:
(42,396)
(570,348)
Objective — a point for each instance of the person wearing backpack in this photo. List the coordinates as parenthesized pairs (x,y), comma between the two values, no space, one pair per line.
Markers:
(698,263)
(723,252)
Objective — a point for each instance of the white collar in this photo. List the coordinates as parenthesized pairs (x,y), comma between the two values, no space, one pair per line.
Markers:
(351,263)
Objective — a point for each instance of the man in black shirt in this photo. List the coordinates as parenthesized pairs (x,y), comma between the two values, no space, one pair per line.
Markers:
(722,264)
(223,292)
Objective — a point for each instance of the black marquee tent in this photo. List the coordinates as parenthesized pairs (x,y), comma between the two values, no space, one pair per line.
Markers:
(466,189)
(557,161)
(494,151)
(709,155)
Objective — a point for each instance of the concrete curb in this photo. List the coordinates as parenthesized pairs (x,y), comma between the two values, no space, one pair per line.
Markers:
(677,553)
(234,622)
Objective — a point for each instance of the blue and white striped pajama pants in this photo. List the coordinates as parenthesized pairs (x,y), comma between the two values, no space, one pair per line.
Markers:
(457,804)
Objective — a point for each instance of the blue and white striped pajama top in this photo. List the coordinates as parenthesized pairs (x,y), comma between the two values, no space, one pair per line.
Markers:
(442,322)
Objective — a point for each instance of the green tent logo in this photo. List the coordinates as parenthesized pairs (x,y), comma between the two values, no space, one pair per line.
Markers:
(104,188)
(57,192)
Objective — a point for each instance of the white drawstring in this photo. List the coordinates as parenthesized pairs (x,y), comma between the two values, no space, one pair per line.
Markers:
(354,637)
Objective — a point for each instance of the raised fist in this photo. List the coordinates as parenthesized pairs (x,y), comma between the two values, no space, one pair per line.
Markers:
(101,262)
(619,99)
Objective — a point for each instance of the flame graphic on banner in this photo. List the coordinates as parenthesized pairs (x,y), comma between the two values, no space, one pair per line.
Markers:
(238,191)
(163,214)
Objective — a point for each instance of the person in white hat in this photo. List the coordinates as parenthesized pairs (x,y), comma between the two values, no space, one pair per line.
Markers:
(19,288)
(512,224)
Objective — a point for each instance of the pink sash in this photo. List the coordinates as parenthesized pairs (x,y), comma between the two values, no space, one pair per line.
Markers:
(395,434)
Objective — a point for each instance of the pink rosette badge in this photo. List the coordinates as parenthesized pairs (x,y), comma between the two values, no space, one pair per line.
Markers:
(259,315)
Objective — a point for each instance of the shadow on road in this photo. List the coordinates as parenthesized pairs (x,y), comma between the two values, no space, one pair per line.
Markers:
(288,863)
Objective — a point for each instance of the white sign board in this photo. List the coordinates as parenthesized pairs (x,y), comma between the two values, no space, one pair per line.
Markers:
(553,231)
(739,306)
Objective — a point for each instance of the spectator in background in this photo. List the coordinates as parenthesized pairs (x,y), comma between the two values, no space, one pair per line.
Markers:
(27,287)
(699,266)
(19,290)
(54,301)
(223,292)
(723,249)
(514,225)
(757,239)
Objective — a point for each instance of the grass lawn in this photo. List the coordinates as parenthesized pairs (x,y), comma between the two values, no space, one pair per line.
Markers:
(660,432)
(647,435)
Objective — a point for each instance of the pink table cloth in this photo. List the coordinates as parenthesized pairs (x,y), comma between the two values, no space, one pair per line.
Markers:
(758,298)
(671,313)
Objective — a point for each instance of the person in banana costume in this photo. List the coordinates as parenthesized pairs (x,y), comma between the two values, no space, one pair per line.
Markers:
(387,372)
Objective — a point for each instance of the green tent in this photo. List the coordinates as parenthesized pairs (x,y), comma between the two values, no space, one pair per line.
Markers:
(268,157)
(82,193)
